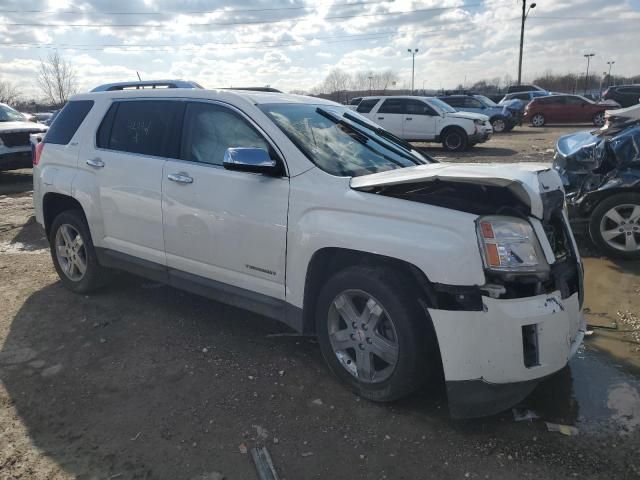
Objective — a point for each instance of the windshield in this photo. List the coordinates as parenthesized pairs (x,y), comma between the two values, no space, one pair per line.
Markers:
(341,142)
(486,100)
(8,114)
(445,107)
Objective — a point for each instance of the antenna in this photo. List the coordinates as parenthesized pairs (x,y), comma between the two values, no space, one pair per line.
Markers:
(138,75)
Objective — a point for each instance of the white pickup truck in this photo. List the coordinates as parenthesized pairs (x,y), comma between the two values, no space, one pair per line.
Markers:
(304,211)
(427,119)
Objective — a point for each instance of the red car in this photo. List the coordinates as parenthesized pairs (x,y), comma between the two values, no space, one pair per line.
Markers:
(566,109)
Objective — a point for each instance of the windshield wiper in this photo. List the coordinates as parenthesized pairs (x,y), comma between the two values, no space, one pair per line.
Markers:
(338,119)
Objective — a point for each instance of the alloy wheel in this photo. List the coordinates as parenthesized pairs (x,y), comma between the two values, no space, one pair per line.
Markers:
(620,227)
(498,125)
(70,252)
(537,120)
(453,141)
(363,336)
(598,120)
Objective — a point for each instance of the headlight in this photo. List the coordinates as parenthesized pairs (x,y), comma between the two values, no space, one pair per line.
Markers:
(478,122)
(509,244)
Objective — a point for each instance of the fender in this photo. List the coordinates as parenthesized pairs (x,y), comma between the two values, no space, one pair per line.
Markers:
(441,242)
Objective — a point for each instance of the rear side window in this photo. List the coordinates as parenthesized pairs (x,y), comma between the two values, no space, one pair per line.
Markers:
(365,106)
(455,102)
(392,105)
(67,122)
(141,126)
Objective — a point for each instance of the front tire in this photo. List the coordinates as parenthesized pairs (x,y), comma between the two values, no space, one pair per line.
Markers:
(615,226)
(499,125)
(538,120)
(455,140)
(74,256)
(373,334)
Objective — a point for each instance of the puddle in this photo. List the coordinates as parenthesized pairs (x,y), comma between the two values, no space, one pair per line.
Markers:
(612,307)
(594,394)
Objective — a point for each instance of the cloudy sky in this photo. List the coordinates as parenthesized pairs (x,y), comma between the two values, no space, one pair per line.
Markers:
(292,44)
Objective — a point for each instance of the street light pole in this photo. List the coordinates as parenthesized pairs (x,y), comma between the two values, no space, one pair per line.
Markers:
(609,76)
(525,14)
(370,87)
(413,66)
(586,77)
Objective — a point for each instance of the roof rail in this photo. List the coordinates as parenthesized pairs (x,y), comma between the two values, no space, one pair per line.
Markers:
(146,84)
(254,89)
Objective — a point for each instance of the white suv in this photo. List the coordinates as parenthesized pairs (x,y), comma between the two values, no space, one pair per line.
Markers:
(427,119)
(304,211)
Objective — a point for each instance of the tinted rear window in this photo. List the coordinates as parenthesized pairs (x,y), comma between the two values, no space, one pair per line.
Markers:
(67,122)
(393,105)
(143,126)
(365,106)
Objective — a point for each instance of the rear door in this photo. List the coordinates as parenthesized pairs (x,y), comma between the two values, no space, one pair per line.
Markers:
(390,115)
(577,110)
(419,120)
(131,146)
(223,226)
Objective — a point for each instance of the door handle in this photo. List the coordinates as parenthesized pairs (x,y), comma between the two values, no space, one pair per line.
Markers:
(95,162)
(380,118)
(409,118)
(180,177)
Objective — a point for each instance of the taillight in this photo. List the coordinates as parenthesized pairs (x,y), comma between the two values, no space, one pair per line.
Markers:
(37,152)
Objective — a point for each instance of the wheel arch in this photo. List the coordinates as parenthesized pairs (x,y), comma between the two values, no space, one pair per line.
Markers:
(54,204)
(327,261)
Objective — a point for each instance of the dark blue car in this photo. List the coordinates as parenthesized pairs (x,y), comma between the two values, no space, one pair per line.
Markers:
(502,118)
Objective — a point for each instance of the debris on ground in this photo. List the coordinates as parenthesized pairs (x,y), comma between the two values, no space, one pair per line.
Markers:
(317,401)
(522,414)
(567,430)
(306,454)
(243,448)
(264,464)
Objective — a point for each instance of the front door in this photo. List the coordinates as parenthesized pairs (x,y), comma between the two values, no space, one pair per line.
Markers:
(222,226)
(419,120)
(132,143)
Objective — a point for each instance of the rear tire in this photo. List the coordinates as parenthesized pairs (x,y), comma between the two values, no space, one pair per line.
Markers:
(455,140)
(598,119)
(73,254)
(388,360)
(614,226)
(538,120)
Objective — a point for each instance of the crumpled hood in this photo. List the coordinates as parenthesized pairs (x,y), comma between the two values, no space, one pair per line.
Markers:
(527,181)
(468,116)
(12,127)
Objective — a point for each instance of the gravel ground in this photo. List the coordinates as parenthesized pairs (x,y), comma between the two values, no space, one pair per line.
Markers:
(142,381)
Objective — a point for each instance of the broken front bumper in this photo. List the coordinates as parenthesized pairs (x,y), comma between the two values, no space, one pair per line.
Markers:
(493,358)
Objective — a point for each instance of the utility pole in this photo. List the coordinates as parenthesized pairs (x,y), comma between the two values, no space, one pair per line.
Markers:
(609,76)
(586,77)
(370,85)
(413,66)
(525,14)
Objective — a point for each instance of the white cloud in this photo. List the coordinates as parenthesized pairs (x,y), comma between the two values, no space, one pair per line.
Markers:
(471,42)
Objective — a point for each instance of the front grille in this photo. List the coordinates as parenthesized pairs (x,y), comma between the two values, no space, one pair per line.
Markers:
(15,139)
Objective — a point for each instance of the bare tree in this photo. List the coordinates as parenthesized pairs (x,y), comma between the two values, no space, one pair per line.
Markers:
(57,79)
(9,92)
(336,83)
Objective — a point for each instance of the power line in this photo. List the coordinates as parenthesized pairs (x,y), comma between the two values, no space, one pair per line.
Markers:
(209,24)
(193,12)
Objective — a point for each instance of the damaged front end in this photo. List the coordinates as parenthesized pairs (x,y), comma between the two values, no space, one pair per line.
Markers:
(595,164)
(524,322)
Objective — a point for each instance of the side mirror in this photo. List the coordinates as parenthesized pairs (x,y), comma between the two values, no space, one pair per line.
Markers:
(246,159)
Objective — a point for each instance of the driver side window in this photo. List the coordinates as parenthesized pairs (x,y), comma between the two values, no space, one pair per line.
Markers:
(210,129)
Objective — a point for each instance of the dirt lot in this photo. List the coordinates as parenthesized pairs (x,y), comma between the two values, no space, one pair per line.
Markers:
(144,381)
